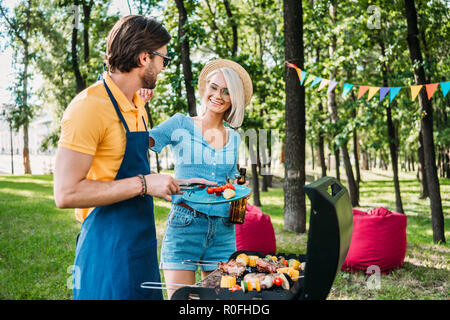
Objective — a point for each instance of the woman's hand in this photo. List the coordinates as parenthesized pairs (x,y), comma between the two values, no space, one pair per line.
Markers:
(146,94)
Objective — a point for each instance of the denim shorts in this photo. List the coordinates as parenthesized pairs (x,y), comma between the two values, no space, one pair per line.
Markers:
(195,236)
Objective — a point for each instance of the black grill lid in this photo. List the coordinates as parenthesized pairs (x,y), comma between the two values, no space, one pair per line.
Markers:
(330,233)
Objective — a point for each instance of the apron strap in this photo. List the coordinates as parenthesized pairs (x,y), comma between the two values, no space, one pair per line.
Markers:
(116,106)
(145,126)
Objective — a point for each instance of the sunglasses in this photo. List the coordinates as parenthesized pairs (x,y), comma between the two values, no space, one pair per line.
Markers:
(166,59)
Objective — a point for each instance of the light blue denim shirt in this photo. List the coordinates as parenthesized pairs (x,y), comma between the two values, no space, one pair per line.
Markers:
(195,158)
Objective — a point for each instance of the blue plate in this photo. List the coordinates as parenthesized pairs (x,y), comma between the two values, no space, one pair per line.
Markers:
(199,195)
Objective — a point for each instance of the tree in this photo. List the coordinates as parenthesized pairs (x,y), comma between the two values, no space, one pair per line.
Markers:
(20,31)
(437,217)
(294,196)
(183,37)
(332,107)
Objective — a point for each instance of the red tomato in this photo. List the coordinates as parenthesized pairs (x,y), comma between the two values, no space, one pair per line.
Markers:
(285,262)
(202,186)
(230,186)
(278,281)
(210,190)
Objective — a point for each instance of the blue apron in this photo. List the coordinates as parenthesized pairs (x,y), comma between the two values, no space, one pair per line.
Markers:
(116,248)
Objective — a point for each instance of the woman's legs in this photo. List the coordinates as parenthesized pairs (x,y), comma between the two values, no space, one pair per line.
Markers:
(178,276)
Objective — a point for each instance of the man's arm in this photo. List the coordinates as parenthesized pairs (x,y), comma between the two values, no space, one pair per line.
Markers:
(73,190)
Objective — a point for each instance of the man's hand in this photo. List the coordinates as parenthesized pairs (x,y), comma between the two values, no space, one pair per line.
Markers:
(161,186)
(196,180)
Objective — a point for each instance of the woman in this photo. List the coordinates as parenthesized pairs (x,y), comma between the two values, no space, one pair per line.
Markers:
(203,148)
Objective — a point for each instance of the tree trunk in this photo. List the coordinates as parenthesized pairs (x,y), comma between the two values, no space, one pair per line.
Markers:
(421,169)
(332,107)
(150,122)
(233,28)
(437,217)
(391,136)
(185,57)
(87,7)
(80,82)
(356,147)
(26,61)
(294,180)
(254,160)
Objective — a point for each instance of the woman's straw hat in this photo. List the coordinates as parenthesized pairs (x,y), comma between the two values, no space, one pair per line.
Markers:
(224,63)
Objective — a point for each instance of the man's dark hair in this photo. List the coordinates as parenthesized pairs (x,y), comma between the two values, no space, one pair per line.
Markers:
(131,36)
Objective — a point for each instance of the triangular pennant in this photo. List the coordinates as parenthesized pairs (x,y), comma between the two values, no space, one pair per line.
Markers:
(372,91)
(362,90)
(303,77)
(431,88)
(393,92)
(445,86)
(415,91)
(323,83)
(310,79)
(291,65)
(316,81)
(331,86)
(299,73)
(347,88)
(383,92)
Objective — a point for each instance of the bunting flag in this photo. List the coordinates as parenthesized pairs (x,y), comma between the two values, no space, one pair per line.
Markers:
(383,92)
(347,88)
(303,77)
(372,92)
(331,86)
(362,90)
(415,91)
(299,72)
(431,88)
(445,86)
(312,80)
(323,84)
(393,92)
(316,81)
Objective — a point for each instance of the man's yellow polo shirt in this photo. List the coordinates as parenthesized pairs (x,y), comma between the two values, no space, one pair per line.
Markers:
(90,125)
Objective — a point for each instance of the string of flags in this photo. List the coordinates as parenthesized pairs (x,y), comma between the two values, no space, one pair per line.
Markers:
(312,81)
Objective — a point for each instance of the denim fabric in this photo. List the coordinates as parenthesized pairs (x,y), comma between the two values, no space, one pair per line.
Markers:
(195,158)
(195,236)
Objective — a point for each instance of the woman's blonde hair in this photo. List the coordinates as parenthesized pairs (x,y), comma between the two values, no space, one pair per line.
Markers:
(235,114)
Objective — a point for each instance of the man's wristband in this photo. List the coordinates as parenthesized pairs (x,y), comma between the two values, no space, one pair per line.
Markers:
(144,185)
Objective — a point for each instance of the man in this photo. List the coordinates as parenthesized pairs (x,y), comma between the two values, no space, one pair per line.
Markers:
(102,168)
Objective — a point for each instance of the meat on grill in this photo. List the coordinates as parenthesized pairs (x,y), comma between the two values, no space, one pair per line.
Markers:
(232,267)
(265,266)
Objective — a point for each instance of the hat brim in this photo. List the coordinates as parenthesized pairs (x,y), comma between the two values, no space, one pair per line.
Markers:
(224,63)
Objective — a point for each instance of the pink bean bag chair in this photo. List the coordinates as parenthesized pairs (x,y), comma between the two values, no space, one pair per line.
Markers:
(379,239)
(256,233)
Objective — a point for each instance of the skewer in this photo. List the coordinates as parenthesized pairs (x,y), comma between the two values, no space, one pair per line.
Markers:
(165,286)
(205,263)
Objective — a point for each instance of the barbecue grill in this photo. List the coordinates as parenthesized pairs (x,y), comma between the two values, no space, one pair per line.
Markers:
(329,236)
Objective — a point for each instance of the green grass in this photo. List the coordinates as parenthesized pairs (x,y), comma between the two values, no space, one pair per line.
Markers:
(37,241)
